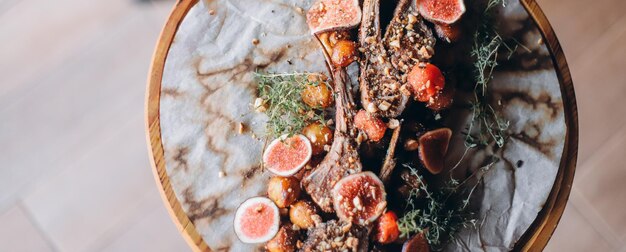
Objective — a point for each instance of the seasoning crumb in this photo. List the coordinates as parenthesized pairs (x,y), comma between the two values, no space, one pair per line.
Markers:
(221,174)
(393,123)
(211,12)
(241,128)
(519,163)
(255,41)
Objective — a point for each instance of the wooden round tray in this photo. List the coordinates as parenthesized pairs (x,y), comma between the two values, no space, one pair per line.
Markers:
(534,239)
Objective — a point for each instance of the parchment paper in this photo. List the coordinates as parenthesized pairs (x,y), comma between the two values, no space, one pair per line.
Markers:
(208,88)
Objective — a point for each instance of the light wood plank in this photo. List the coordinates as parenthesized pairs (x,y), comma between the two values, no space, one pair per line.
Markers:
(153,231)
(76,107)
(40,34)
(18,233)
(575,233)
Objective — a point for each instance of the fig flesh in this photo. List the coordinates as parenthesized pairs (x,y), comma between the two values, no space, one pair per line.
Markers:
(327,15)
(257,220)
(359,198)
(441,11)
(285,156)
(433,147)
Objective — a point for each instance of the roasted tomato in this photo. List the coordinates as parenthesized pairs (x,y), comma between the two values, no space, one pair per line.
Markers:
(426,82)
(344,53)
(317,94)
(374,127)
(387,228)
(319,135)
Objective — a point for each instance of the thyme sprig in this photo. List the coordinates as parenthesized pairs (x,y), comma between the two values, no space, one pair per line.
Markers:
(486,124)
(445,212)
(281,94)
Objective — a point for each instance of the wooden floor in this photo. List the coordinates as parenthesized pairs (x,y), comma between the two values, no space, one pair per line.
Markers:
(75,175)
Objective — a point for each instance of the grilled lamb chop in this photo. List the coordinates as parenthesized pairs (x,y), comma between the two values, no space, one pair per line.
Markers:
(408,40)
(381,90)
(387,61)
(337,236)
(343,158)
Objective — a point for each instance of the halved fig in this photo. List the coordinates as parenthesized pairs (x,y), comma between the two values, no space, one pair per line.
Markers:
(417,243)
(285,156)
(326,15)
(433,147)
(441,11)
(359,198)
(257,220)
(449,33)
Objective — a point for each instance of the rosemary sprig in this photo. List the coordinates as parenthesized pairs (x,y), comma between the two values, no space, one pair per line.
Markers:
(445,212)
(281,94)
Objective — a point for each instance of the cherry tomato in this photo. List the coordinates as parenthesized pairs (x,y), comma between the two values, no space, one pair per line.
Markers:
(373,127)
(426,82)
(344,53)
(387,228)
(317,96)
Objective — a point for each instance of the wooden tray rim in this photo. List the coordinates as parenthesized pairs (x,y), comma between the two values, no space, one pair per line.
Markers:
(534,239)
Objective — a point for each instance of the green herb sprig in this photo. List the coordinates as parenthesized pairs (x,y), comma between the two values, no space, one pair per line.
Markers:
(486,124)
(445,212)
(281,94)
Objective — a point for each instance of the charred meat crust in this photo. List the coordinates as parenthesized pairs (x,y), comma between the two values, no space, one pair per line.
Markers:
(408,40)
(343,158)
(337,236)
(380,88)
(387,61)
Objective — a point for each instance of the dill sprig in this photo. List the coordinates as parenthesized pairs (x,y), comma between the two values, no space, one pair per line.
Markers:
(486,124)
(281,94)
(445,212)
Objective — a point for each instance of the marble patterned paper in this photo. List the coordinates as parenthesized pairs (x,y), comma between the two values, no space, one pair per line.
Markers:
(208,88)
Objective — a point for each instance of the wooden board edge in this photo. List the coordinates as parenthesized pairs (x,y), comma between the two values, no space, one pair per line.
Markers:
(534,239)
(153,127)
(537,236)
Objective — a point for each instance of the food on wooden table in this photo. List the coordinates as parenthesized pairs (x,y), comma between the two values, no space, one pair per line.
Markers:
(284,241)
(285,156)
(359,198)
(339,203)
(257,220)
(284,191)
(303,214)
(320,136)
